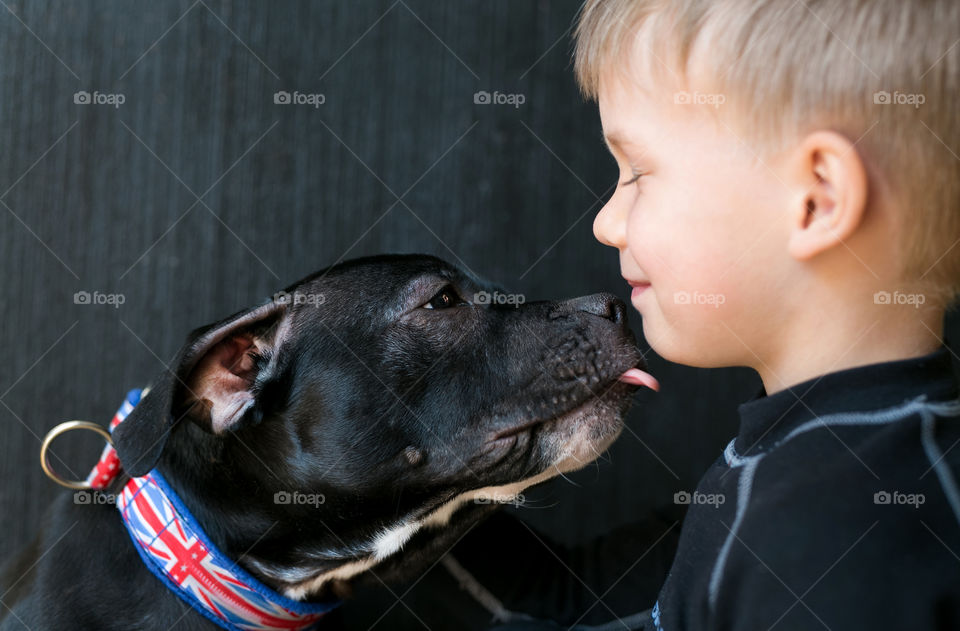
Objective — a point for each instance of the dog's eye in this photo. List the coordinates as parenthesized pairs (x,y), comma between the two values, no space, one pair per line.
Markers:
(444,299)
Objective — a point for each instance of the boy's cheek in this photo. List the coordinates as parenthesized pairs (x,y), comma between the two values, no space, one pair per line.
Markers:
(690,279)
(666,248)
(687,249)
(697,301)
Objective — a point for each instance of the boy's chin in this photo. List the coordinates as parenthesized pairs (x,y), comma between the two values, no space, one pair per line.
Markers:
(670,339)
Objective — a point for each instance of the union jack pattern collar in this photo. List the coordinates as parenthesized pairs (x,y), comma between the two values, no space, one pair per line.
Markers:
(175,549)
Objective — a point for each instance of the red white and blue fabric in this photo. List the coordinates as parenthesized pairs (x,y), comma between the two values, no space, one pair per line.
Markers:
(175,549)
(108,466)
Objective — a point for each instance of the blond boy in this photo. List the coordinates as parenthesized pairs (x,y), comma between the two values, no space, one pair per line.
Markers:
(789,200)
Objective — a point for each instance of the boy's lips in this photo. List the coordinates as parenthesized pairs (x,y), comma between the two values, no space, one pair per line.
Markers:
(636,376)
(638,286)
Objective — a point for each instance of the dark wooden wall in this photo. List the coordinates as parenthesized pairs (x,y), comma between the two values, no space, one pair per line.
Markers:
(199,195)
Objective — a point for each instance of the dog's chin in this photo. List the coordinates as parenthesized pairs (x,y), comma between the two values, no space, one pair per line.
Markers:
(567,440)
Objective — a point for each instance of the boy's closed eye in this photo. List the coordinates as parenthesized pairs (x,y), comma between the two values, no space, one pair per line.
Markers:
(614,144)
(637,174)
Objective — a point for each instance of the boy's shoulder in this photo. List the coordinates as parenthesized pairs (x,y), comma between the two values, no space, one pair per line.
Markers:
(869,524)
(843,508)
(896,482)
(884,477)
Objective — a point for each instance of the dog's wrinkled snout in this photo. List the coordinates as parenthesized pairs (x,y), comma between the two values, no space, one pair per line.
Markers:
(614,310)
(603,305)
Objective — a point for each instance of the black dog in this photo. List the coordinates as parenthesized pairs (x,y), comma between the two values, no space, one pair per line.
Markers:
(409,396)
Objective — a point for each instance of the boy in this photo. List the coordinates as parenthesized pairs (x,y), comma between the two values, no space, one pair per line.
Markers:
(789,201)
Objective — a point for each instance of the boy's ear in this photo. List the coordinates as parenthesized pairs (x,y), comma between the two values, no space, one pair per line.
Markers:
(831,184)
(214,381)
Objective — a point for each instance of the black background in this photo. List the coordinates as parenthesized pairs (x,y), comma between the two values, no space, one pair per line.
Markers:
(199,196)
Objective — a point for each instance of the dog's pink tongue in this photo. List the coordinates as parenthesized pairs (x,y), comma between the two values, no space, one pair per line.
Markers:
(638,377)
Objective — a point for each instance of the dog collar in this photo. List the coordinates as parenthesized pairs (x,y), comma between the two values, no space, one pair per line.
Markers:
(176,550)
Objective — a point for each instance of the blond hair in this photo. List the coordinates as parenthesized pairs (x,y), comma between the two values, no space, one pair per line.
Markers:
(884,73)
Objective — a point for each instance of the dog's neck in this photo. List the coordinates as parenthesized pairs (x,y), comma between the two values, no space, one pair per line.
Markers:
(208,475)
(320,571)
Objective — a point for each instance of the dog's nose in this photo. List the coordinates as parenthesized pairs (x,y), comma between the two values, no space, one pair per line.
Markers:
(604,305)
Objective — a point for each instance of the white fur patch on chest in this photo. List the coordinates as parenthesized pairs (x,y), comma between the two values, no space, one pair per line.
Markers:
(392,539)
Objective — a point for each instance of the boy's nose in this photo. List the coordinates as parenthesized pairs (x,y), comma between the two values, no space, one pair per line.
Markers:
(610,227)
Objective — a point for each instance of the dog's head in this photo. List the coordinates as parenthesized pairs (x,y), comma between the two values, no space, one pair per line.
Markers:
(371,406)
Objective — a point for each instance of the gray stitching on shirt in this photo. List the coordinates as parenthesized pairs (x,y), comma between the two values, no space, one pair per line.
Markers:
(879,417)
(935,456)
(744,487)
(945,408)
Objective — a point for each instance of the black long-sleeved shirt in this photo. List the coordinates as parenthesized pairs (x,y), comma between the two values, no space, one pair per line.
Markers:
(835,507)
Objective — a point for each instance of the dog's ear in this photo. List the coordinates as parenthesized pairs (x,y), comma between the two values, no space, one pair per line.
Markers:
(213,381)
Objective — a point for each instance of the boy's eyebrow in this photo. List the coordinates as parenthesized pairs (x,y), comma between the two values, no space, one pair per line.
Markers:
(612,139)
(609,139)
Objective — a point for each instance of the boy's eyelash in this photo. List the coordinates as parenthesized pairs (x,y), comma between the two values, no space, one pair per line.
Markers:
(636,178)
